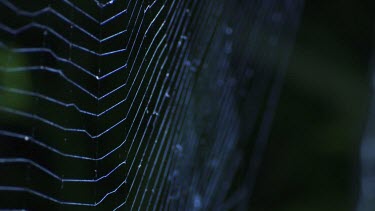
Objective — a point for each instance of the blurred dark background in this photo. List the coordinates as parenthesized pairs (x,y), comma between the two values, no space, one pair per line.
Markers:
(312,160)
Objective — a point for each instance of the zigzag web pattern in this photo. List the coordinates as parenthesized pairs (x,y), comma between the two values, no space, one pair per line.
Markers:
(138,104)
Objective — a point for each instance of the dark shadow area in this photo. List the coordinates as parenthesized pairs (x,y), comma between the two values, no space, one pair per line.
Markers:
(311,162)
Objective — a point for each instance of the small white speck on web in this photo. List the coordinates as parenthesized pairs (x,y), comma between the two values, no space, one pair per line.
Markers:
(187,63)
(175,173)
(228,47)
(26,138)
(228,30)
(179,147)
(197,201)
(139,166)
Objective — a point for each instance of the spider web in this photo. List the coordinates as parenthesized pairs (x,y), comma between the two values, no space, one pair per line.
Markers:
(138,104)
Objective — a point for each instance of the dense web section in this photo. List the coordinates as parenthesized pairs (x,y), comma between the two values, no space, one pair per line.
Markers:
(138,104)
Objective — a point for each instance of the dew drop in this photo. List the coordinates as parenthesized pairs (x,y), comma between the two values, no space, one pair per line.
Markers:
(179,147)
(197,201)
(228,30)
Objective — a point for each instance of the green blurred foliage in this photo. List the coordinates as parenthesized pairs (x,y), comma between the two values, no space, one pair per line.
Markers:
(20,80)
